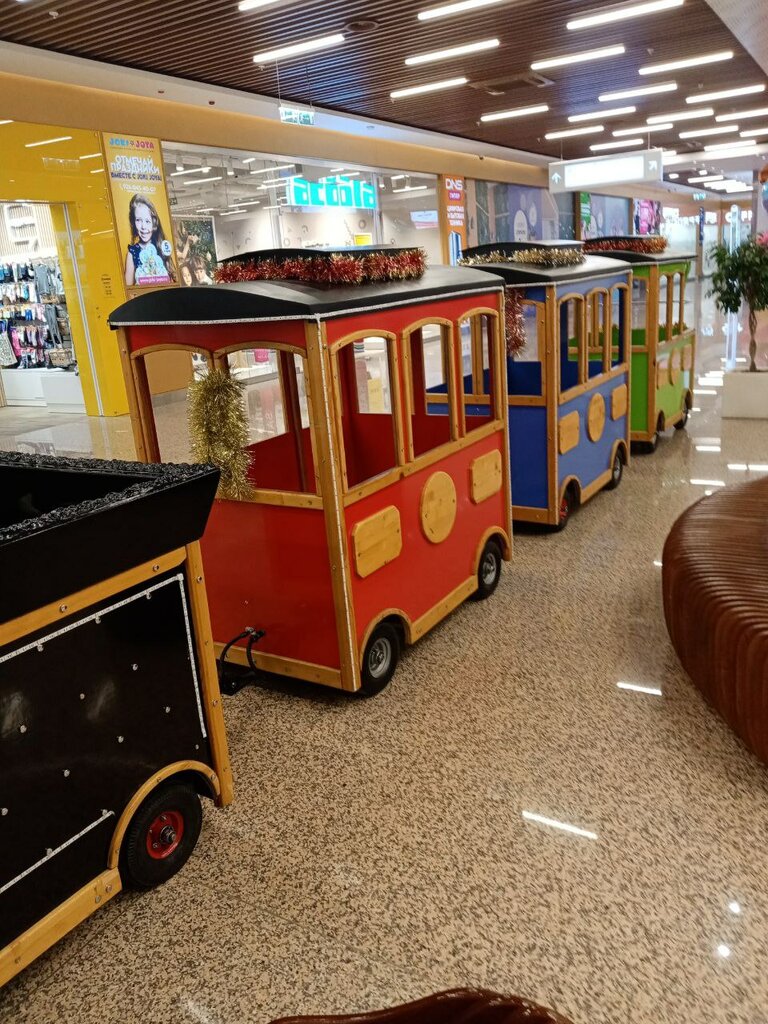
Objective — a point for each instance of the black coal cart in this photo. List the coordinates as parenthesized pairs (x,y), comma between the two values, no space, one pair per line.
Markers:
(110,715)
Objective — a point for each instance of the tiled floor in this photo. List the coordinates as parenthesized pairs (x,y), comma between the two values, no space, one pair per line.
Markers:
(380,850)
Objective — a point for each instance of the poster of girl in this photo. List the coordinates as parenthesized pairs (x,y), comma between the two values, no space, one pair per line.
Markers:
(149,257)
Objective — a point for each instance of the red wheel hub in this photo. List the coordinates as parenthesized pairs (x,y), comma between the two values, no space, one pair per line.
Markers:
(565,508)
(165,834)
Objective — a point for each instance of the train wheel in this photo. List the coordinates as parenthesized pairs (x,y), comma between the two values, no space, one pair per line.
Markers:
(382,653)
(568,503)
(681,423)
(488,571)
(161,836)
(617,471)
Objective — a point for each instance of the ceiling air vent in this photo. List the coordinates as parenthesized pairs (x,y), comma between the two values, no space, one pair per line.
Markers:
(510,83)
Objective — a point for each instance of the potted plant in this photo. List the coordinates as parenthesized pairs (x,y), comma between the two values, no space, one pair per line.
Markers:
(741,277)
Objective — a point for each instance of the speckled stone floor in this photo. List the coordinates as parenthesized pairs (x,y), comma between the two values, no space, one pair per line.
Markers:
(381,850)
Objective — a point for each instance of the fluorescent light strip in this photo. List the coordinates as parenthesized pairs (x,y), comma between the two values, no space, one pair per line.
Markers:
(622,13)
(733,144)
(253,5)
(681,115)
(415,90)
(207,209)
(570,133)
(644,129)
(274,182)
(752,132)
(629,94)
(308,46)
(88,156)
(673,177)
(453,51)
(637,688)
(578,58)
(621,144)
(99,170)
(699,133)
(502,115)
(273,170)
(706,178)
(202,181)
(190,170)
(48,142)
(228,213)
(456,8)
(742,115)
(249,159)
(562,825)
(710,97)
(597,115)
(689,62)
(411,188)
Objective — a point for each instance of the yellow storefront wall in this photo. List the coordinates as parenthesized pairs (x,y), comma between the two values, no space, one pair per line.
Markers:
(58,173)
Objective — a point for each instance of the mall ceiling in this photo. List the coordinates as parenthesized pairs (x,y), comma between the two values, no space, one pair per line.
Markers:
(213,41)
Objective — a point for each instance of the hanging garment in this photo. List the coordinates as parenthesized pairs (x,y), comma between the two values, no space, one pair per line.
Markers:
(7,355)
(52,323)
(43,279)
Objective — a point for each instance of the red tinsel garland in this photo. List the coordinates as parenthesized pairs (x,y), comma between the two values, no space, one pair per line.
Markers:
(335,269)
(648,245)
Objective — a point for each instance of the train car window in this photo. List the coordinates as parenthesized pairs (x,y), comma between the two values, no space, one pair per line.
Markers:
(365,374)
(276,404)
(481,407)
(666,306)
(617,320)
(639,312)
(173,371)
(431,400)
(524,373)
(572,343)
(597,315)
(680,326)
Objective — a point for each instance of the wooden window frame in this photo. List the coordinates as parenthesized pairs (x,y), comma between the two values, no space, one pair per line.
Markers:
(582,378)
(448,334)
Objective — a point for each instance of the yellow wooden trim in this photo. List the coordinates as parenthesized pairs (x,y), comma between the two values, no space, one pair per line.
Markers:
(443,608)
(652,343)
(62,919)
(248,346)
(529,514)
(291,667)
(377,540)
(478,311)
(485,476)
(337,418)
(285,499)
(437,507)
(619,402)
(133,400)
(568,432)
(209,676)
(388,613)
(71,604)
(449,398)
(531,400)
(500,351)
(147,350)
(408,398)
(494,531)
(361,335)
(596,417)
(592,383)
(596,485)
(138,369)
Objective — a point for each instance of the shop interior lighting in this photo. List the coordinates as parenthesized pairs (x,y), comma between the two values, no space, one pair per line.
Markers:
(272,170)
(722,129)
(191,170)
(452,51)
(202,181)
(734,145)
(683,115)
(742,115)
(88,156)
(643,90)
(416,90)
(705,178)
(296,49)
(398,177)
(411,188)
(569,133)
(673,176)
(249,160)
(253,5)
(459,7)
(752,132)
(623,13)
(642,129)
(250,202)
(207,209)
(274,182)
(271,207)
(228,213)
(578,58)
(597,115)
(48,142)
(502,115)
(562,825)
(99,170)
(689,62)
(710,97)
(620,144)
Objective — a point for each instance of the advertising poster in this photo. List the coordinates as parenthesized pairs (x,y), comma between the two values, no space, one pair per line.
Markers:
(505,213)
(194,240)
(603,215)
(454,210)
(647,217)
(140,205)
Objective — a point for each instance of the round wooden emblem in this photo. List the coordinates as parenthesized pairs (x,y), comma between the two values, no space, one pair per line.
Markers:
(438,507)
(596,417)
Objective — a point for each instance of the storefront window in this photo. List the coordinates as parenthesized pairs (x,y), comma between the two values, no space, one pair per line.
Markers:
(501,212)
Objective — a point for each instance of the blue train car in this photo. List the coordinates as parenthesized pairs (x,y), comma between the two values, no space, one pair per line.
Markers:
(568,370)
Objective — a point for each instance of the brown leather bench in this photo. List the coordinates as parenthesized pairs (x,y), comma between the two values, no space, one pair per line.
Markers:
(715,582)
(459,1006)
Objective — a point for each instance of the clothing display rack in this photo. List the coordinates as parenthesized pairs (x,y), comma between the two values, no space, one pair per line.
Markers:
(34,323)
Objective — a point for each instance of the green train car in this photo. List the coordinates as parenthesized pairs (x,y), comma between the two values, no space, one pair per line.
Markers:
(663,344)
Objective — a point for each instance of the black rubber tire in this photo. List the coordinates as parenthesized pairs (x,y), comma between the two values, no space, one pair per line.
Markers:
(682,422)
(568,505)
(617,471)
(648,447)
(487,583)
(385,638)
(138,870)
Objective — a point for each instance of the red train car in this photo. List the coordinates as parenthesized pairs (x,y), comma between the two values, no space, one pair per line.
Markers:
(369,518)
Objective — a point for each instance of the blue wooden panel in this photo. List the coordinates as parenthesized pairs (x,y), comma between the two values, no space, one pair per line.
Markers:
(523,378)
(528,454)
(589,458)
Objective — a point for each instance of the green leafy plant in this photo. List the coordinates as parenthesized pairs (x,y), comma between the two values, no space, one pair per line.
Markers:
(742,277)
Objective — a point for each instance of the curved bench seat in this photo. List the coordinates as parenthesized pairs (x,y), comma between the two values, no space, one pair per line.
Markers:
(715,583)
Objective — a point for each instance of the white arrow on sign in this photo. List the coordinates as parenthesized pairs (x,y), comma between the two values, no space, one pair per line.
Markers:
(653,164)
(556,177)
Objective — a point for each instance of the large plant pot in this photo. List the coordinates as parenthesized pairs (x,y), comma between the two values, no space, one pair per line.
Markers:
(745,395)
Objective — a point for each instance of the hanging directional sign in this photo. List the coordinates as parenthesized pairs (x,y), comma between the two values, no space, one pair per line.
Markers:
(618,169)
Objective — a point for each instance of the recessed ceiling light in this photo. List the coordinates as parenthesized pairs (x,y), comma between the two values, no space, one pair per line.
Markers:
(723,129)
(253,5)
(621,144)
(681,115)
(191,170)
(411,188)
(704,178)
(577,58)
(673,176)
(452,51)
(502,115)
(568,133)
(48,142)
(643,90)
(295,49)
(456,8)
(743,114)
(642,129)
(689,62)
(415,90)
(271,170)
(624,12)
(750,132)
(724,94)
(597,115)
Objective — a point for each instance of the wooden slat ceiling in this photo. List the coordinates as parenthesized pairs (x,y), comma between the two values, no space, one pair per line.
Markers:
(211,41)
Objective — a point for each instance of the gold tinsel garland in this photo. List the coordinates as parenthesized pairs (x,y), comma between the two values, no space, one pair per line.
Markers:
(218,427)
(543,256)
